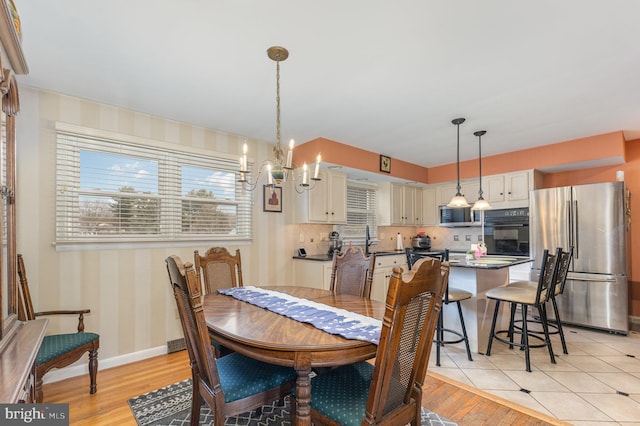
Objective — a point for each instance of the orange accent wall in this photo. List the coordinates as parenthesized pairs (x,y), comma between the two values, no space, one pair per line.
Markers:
(349,156)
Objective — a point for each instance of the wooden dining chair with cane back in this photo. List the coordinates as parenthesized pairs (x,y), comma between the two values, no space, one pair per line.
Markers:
(389,392)
(555,327)
(218,269)
(352,272)
(451,295)
(229,385)
(58,350)
(525,298)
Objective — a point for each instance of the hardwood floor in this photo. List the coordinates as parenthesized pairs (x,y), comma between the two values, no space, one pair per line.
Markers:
(459,403)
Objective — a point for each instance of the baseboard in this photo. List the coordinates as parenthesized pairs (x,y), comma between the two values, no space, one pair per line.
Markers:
(80,369)
(634,324)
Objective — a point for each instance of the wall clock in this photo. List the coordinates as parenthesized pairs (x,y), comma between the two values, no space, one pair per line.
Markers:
(385,164)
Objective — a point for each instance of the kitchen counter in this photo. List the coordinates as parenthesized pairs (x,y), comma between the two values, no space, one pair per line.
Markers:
(325,258)
(487,262)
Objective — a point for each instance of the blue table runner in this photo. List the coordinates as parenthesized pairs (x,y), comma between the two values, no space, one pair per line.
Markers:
(347,324)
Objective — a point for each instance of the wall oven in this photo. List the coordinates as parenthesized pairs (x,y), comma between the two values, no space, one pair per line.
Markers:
(506,231)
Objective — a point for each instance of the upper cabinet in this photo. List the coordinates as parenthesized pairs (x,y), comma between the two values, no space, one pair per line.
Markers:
(430,206)
(399,204)
(511,188)
(326,202)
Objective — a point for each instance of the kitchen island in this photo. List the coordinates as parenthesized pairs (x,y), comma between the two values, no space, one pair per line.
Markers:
(477,276)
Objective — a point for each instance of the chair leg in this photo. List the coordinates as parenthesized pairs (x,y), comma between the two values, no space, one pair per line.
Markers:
(545,328)
(196,403)
(559,324)
(512,320)
(464,331)
(439,336)
(525,338)
(93,370)
(493,328)
(38,390)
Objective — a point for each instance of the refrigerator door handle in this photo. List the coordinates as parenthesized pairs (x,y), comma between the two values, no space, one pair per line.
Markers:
(576,245)
(595,280)
(569,224)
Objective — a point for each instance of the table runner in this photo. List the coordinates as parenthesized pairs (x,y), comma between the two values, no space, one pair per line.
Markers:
(347,324)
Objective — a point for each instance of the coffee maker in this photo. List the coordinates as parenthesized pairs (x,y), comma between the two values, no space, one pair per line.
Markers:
(335,243)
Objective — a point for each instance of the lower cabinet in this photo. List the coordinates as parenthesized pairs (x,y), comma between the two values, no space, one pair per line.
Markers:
(312,273)
(382,272)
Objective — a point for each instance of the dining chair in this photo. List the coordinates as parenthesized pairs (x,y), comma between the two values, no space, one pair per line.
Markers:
(352,272)
(218,269)
(561,280)
(58,350)
(525,297)
(389,392)
(451,295)
(229,385)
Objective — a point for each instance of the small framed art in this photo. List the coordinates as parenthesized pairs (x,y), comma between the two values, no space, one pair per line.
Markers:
(385,164)
(272,199)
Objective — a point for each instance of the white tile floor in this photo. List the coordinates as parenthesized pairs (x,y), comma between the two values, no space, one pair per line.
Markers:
(597,383)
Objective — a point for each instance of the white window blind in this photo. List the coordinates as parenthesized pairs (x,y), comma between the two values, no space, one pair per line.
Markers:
(121,191)
(362,210)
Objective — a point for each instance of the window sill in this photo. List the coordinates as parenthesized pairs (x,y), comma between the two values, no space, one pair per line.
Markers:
(127,245)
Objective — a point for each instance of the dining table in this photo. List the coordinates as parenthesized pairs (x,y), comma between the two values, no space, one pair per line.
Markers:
(270,337)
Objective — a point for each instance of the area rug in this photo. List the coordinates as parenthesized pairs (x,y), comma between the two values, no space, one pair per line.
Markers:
(171,406)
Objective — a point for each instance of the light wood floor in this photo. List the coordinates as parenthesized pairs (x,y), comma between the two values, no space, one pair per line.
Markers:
(459,403)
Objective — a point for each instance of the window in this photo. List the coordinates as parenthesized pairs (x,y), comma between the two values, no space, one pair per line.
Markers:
(362,210)
(110,190)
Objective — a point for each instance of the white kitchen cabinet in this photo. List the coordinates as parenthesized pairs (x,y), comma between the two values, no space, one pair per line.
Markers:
(468,188)
(312,273)
(509,187)
(382,272)
(326,202)
(430,213)
(399,204)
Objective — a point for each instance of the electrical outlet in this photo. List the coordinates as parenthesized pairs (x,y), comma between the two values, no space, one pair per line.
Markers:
(456,238)
(479,237)
(382,236)
(467,237)
(301,238)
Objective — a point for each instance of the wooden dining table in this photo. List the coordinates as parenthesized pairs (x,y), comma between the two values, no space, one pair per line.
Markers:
(270,337)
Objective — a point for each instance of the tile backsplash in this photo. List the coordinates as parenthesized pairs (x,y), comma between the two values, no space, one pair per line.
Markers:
(314,238)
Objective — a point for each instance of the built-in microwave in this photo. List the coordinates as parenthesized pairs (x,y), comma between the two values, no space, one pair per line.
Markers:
(459,216)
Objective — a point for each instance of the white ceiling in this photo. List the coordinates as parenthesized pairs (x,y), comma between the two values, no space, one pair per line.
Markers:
(385,76)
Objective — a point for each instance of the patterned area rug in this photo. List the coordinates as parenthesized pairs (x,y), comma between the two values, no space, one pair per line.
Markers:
(171,406)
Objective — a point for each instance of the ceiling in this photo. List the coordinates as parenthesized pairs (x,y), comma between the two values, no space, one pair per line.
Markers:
(384,76)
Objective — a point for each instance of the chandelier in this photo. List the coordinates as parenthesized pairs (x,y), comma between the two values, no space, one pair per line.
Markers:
(280,169)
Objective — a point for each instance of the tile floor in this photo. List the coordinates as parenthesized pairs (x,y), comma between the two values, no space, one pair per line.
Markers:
(597,383)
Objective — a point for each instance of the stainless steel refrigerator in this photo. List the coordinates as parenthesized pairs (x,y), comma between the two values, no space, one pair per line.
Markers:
(591,218)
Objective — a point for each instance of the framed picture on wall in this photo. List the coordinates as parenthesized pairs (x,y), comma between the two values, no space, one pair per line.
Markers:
(385,164)
(272,199)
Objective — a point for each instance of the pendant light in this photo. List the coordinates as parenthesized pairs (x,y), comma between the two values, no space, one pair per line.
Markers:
(481,204)
(458,200)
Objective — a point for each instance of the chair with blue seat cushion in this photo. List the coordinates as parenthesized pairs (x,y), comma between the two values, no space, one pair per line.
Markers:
(389,391)
(58,350)
(229,385)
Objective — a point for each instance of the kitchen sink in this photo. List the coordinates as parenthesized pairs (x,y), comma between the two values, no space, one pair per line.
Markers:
(388,253)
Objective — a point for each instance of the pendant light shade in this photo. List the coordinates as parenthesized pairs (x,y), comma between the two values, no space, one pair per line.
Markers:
(458,200)
(481,204)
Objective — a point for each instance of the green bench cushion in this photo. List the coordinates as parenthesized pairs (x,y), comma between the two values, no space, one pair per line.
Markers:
(59,344)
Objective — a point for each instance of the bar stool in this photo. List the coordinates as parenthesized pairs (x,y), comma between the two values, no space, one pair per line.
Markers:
(561,280)
(525,297)
(451,295)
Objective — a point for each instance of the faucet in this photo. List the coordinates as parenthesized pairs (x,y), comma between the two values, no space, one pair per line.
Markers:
(367,241)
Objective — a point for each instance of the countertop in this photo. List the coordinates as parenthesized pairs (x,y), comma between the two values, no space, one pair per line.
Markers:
(325,258)
(487,262)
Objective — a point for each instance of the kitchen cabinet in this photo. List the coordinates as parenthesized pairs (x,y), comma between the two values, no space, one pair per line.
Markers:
(382,272)
(399,204)
(312,273)
(326,202)
(468,188)
(430,214)
(509,187)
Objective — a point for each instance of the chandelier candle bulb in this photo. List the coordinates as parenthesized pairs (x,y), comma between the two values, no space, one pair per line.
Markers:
(290,154)
(243,166)
(304,174)
(318,160)
(269,175)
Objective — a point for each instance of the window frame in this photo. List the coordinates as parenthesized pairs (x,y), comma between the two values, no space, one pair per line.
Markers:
(171,159)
